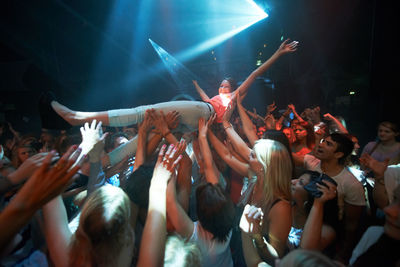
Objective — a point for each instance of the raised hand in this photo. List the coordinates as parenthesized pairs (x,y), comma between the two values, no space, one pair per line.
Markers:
(47,182)
(271,108)
(29,166)
(228,112)
(251,220)
(328,193)
(377,167)
(204,126)
(90,136)
(166,163)
(159,122)
(287,47)
(172,119)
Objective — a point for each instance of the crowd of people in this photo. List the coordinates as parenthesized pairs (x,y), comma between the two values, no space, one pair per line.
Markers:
(199,183)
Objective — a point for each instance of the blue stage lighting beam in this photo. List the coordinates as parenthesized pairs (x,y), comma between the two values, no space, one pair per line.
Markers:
(254,15)
(181,75)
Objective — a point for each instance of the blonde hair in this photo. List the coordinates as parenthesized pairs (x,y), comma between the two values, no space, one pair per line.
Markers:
(181,253)
(103,228)
(277,169)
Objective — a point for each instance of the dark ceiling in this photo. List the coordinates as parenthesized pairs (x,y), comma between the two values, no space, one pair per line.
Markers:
(95,59)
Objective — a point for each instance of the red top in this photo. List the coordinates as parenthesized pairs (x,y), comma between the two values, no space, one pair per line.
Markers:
(219,107)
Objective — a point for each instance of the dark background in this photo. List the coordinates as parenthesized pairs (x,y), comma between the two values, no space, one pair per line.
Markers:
(95,55)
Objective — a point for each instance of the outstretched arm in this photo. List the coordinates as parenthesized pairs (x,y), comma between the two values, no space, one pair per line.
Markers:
(155,230)
(238,143)
(338,124)
(144,129)
(291,106)
(45,183)
(211,172)
(201,92)
(226,155)
(248,126)
(284,48)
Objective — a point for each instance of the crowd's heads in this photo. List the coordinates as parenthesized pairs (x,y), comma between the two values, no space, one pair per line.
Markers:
(277,165)
(104,228)
(181,253)
(215,210)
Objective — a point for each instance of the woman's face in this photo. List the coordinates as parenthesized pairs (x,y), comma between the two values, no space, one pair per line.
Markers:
(385,133)
(225,87)
(289,134)
(299,132)
(25,152)
(299,194)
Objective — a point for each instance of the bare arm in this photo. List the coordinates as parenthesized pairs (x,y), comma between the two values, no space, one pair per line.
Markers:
(212,174)
(201,92)
(237,142)
(248,126)
(226,155)
(154,233)
(144,128)
(284,48)
(315,235)
(338,124)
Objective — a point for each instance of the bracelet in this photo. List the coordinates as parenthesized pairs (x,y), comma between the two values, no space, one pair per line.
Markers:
(229,126)
(258,241)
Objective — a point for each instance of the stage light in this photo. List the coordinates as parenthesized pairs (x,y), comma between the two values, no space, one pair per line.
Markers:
(227,19)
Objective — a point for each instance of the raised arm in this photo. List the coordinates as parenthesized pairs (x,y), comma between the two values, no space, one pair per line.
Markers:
(237,142)
(248,126)
(176,214)
(284,48)
(211,172)
(335,121)
(226,155)
(144,129)
(316,235)
(152,246)
(45,183)
(292,107)
(201,92)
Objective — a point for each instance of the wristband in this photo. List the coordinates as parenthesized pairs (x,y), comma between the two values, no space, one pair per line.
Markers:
(229,126)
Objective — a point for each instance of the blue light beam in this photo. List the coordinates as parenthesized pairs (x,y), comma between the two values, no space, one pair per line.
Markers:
(234,19)
(181,75)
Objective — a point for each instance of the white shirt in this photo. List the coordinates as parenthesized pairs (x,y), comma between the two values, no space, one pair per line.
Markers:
(349,189)
(214,253)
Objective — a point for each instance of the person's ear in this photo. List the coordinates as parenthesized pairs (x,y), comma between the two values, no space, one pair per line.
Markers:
(338,155)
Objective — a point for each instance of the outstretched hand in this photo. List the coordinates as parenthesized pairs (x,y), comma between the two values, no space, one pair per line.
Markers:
(90,136)
(287,47)
(204,126)
(167,163)
(48,182)
(228,112)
